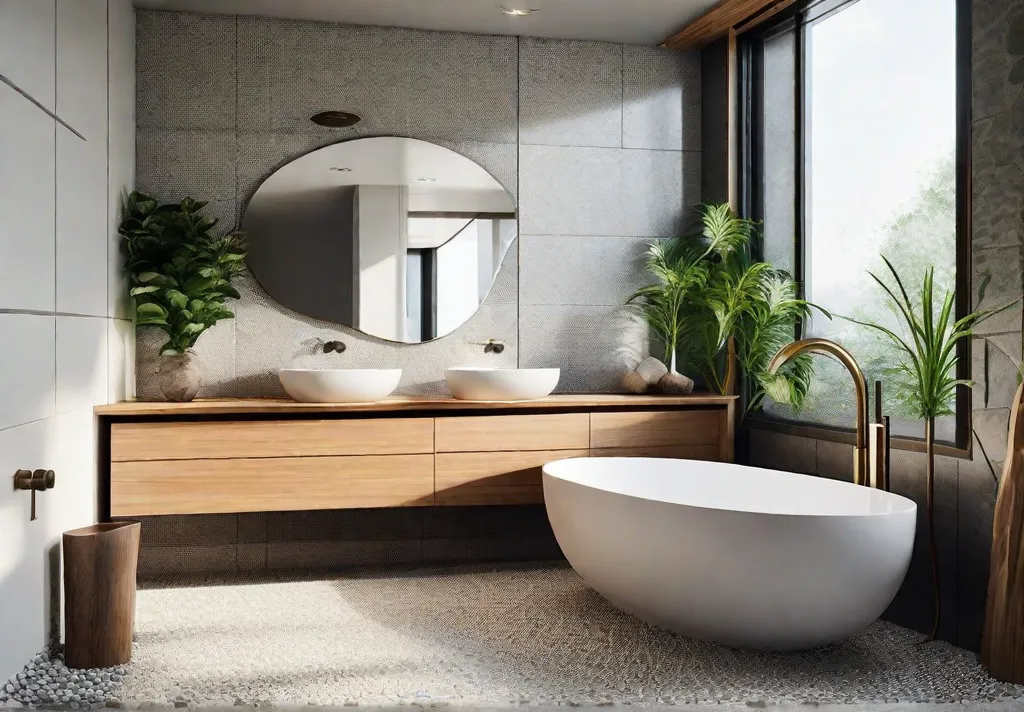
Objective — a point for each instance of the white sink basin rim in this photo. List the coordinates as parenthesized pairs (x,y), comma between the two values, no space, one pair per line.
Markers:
(501,384)
(349,385)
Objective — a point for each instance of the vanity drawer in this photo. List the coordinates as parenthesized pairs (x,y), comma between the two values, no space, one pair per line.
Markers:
(495,433)
(267,485)
(462,478)
(644,429)
(270,438)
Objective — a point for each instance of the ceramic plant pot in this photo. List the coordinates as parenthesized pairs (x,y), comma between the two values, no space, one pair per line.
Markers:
(180,376)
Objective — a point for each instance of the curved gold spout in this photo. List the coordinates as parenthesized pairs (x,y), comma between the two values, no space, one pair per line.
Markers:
(790,351)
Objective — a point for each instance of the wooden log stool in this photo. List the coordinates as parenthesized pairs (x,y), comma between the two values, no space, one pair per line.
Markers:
(100,564)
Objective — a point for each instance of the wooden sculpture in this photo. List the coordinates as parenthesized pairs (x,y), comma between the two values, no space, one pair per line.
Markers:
(100,563)
(1002,645)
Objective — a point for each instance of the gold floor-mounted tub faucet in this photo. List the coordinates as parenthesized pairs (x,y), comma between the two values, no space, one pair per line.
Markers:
(871,449)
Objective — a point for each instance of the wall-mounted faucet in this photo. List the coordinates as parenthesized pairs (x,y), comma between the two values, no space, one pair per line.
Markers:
(871,448)
(491,346)
(34,481)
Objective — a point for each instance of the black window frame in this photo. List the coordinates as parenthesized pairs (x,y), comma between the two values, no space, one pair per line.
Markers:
(751,200)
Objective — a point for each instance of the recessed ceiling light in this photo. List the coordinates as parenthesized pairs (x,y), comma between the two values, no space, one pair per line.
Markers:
(426,180)
(516,12)
(340,169)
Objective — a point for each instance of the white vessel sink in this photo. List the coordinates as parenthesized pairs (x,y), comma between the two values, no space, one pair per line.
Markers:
(352,385)
(501,384)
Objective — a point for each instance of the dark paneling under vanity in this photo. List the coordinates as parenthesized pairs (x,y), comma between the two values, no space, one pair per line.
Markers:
(252,544)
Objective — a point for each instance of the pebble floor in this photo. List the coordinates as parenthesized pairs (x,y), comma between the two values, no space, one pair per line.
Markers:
(497,637)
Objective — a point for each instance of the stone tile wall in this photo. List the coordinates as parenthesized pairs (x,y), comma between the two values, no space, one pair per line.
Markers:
(599,142)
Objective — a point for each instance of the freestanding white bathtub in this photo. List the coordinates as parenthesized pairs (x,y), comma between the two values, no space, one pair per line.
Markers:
(743,556)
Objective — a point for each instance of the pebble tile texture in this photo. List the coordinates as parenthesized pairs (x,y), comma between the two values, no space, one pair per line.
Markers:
(533,635)
(47,682)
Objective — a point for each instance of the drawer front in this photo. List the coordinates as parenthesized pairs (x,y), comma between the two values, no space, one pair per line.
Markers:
(682,452)
(267,485)
(495,433)
(270,438)
(493,477)
(655,428)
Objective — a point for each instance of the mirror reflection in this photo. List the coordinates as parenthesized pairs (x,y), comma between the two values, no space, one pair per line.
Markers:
(396,237)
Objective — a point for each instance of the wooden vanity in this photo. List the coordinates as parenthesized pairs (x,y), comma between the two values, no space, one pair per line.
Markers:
(223,456)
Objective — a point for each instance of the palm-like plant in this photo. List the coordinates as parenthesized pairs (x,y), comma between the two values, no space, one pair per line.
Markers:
(927,370)
(678,270)
(718,311)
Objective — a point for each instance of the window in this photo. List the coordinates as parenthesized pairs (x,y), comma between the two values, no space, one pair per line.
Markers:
(853,150)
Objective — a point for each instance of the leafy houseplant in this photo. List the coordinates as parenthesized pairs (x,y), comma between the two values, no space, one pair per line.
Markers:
(926,375)
(718,310)
(180,277)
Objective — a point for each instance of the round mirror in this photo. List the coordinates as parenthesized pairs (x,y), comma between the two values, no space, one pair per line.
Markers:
(396,237)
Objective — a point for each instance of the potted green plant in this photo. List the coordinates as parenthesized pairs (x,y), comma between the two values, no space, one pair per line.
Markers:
(719,311)
(180,276)
(926,372)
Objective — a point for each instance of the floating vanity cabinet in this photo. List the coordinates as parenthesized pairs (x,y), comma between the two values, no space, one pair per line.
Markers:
(223,456)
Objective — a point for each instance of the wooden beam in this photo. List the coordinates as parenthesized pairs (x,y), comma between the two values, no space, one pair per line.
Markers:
(764,16)
(721,18)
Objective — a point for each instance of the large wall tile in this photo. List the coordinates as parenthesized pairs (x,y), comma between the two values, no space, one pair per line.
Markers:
(28,379)
(306,556)
(461,86)
(835,460)
(778,451)
(997,75)
(189,530)
(653,192)
(581,270)
(294,69)
(600,191)
(186,71)
(1002,369)
(991,426)
(121,150)
(172,165)
(82,199)
(998,180)
(571,93)
(1004,268)
(24,575)
(976,500)
(489,521)
(593,345)
(660,99)
(82,344)
(27,42)
(172,562)
(345,525)
(907,478)
(27,200)
(120,360)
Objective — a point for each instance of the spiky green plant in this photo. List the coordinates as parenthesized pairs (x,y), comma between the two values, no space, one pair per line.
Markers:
(678,270)
(927,371)
(717,310)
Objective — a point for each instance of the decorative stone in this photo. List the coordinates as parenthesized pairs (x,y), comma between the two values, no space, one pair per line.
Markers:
(651,370)
(675,384)
(633,382)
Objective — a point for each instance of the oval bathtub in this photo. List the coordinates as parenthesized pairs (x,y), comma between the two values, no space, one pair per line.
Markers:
(739,555)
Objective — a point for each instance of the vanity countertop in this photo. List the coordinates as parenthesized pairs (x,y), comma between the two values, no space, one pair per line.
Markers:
(242,406)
